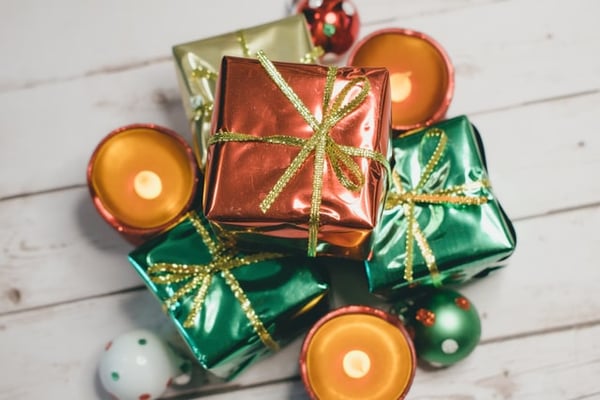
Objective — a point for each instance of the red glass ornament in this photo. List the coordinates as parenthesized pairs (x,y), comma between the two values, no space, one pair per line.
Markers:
(333,24)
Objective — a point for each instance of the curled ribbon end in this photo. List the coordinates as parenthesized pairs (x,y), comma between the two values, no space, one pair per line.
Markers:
(188,324)
(275,346)
(264,208)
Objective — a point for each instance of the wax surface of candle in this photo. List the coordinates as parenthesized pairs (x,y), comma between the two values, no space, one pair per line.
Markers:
(419,75)
(143,177)
(359,356)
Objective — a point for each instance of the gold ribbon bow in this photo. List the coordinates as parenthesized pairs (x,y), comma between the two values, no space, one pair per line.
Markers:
(346,170)
(198,278)
(411,198)
(204,110)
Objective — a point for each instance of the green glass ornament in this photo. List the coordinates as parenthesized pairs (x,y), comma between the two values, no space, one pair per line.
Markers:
(445,326)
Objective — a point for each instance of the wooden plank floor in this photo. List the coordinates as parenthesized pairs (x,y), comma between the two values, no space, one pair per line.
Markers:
(527,74)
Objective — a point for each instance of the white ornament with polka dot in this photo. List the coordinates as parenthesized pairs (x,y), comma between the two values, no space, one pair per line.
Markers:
(139,365)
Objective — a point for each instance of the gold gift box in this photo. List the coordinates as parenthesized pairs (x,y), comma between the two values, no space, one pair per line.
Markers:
(198,63)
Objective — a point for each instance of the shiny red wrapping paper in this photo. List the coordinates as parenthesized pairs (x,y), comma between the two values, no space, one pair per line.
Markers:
(240,174)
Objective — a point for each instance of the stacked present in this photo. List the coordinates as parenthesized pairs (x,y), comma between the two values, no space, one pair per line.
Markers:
(298,161)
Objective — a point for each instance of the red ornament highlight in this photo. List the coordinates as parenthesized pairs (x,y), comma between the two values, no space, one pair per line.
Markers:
(333,24)
(463,303)
(425,317)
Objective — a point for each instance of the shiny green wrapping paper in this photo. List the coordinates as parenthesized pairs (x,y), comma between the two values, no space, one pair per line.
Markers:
(198,63)
(465,240)
(286,294)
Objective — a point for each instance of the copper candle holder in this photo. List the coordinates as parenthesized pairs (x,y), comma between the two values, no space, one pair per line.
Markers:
(421,74)
(357,352)
(142,179)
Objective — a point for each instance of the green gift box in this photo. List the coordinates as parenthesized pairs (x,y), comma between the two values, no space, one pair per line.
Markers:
(441,223)
(198,63)
(231,308)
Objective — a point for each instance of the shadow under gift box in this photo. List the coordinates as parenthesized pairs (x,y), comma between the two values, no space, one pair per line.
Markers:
(240,174)
(231,308)
(198,63)
(442,223)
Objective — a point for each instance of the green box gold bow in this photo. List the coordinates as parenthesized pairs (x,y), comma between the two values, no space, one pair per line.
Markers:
(441,223)
(231,308)
(198,62)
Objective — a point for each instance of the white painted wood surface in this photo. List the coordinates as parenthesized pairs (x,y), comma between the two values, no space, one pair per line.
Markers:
(527,73)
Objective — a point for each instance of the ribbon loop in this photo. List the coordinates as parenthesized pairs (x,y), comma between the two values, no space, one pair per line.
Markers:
(197,278)
(409,199)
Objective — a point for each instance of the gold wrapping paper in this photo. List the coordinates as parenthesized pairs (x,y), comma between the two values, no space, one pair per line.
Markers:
(198,63)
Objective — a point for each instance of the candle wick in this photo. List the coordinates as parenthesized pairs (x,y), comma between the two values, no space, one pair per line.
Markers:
(147,184)
(356,364)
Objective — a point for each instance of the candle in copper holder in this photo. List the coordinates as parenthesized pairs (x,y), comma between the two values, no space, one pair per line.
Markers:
(421,74)
(142,179)
(357,352)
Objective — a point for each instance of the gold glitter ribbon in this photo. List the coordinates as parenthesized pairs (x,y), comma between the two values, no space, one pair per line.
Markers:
(198,279)
(409,199)
(345,168)
(313,55)
(204,111)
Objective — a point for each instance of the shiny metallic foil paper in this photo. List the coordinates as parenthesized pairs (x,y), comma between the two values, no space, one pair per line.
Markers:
(240,174)
(198,63)
(451,243)
(286,295)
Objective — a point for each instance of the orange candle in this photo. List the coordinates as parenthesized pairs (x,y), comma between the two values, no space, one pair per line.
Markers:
(421,74)
(142,179)
(357,352)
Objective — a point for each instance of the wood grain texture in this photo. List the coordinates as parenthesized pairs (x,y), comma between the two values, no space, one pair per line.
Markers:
(497,66)
(512,303)
(549,369)
(56,248)
(527,74)
(524,179)
(112,37)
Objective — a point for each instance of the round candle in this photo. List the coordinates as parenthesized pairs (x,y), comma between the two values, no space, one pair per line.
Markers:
(421,74)
(357,352)
(142,178)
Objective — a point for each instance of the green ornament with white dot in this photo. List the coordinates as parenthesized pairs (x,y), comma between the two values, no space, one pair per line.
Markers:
(444,325)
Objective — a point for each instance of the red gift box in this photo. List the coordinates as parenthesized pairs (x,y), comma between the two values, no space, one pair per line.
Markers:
(297,155)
